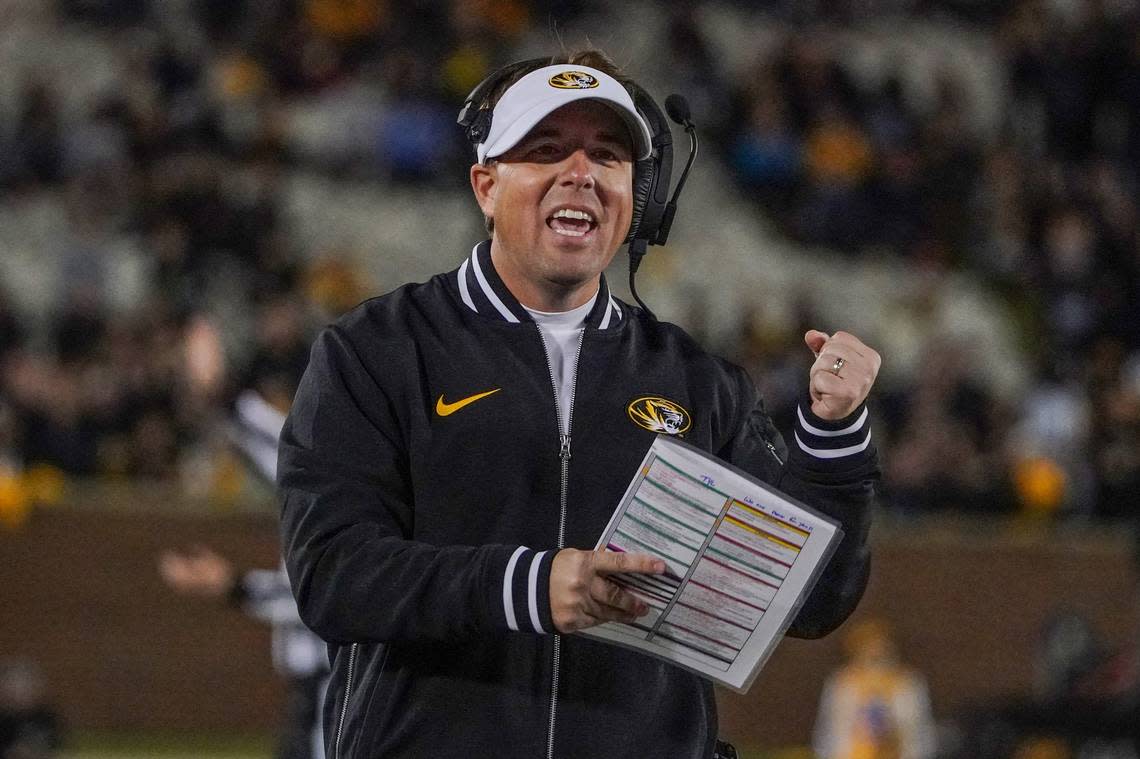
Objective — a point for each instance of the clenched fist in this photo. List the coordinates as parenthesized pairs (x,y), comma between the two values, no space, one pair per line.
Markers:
(842,375)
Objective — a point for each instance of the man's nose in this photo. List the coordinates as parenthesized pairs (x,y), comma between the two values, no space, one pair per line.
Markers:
(577,170)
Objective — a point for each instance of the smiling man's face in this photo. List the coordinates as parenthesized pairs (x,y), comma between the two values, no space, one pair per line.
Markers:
(561,200)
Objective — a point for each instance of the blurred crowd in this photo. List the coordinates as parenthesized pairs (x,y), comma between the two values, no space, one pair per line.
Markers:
(185,165)
(1044,211)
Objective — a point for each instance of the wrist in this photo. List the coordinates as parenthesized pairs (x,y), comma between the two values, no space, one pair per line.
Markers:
(831,444)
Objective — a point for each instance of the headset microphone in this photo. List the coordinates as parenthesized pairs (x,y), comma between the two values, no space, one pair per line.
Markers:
(678,109)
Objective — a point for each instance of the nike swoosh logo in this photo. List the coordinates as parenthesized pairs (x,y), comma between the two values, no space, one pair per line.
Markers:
(447,409)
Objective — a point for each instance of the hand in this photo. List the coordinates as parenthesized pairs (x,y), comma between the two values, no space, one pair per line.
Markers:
(835,395)
(200,573)
(580,594)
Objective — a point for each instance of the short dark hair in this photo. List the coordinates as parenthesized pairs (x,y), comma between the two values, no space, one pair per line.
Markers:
(592,57)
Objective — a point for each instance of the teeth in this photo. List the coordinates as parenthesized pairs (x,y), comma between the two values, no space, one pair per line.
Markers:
(566,213)
(569,232)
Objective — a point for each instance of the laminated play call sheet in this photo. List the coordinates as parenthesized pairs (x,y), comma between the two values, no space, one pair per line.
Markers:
(741,558)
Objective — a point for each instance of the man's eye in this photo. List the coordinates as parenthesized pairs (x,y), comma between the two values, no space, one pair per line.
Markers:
(545,149)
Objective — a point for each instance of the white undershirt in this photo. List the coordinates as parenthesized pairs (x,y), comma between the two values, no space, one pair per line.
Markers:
(560,333)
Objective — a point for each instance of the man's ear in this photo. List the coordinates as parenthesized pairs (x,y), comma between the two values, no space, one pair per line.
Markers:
(484,183)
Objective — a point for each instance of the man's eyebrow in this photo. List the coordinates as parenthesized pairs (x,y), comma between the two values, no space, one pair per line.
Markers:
(622,140)
(540,134)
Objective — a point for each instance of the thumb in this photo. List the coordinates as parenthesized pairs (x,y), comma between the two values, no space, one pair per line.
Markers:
(816,340)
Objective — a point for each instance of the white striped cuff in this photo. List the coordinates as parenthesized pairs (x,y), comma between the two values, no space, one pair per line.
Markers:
(823,439)
(526,591)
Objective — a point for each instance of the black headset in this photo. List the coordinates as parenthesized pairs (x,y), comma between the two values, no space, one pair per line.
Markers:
(653,210)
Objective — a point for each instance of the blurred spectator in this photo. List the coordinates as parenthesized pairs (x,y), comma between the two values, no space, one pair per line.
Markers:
(998,244)
(874,707)
(38,143)
(283,341)
(943,425)
(1115,433)
(898,198)
(837,163)
(694,68)
(346,22)
(1067,652)
(298,655)
(49,401)
(253,426)
(14,496)
(1084,703)
(334,285)
(106,12)
(1068,272)
(766,154)
(1053,430)
(771,351)
(1042,748)
(417,132)
(29,725)
(837,153)
(950,162)
(79,326)
(12,331)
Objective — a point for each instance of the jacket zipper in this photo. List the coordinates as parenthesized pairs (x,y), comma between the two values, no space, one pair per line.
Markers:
(564,459)
(347,693)
(772,450)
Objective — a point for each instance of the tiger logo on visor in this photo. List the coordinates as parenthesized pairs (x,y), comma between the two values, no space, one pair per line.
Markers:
(573,80)
(658,414)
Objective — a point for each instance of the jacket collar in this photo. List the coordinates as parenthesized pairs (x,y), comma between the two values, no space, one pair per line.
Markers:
(483,292)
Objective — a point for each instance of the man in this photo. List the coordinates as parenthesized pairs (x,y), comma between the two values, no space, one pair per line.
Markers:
(455,447)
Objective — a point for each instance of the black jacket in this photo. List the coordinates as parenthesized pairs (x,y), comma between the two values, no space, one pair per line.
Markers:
(419,533)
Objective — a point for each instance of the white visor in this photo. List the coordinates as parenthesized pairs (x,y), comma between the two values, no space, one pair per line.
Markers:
(536,95)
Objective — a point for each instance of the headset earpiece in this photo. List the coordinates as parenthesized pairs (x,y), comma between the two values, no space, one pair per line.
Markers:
(475,115)
(650,175)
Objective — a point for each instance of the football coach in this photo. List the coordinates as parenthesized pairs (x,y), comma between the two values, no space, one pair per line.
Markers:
(456,447)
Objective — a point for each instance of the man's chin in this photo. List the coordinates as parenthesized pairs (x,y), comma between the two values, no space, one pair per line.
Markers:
(568,276)
(576,273)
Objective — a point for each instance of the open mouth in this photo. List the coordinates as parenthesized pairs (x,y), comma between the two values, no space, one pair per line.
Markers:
(571,223)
